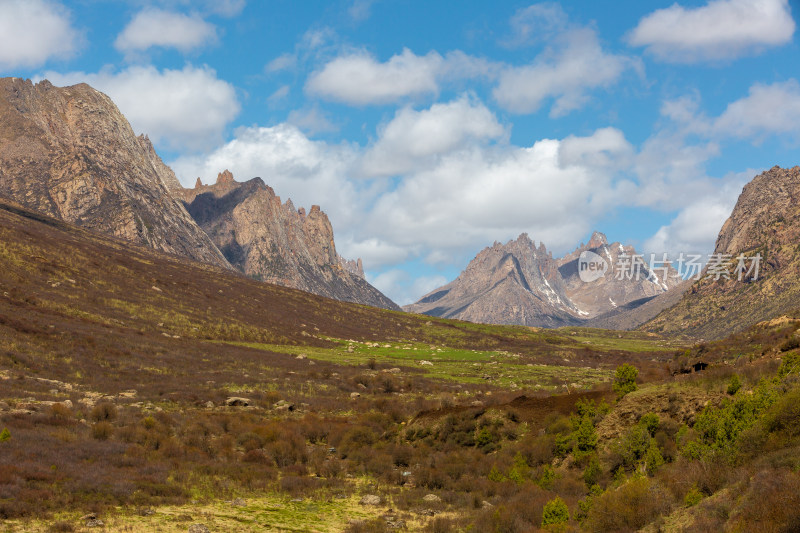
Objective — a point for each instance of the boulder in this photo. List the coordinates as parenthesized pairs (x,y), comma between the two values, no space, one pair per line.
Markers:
(370,499)
(235,401)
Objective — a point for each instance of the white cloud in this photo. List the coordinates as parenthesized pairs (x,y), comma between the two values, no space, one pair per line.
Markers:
(34,31)
(309,172)
(669,170)
(282,62)
(359,79)
(156,27)
(767,110)
(312,120)
(460,185)
(279,94)
(225,8)
(181,109)
(605,148)
(719,30)
(536,23)
(413,138)
(462,191)
(359,10)
(222,8)
(695,228)
(565,72)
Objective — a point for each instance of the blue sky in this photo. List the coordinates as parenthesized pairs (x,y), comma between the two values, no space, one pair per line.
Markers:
(429,130)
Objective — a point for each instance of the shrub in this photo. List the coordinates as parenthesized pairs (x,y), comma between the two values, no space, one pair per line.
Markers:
(692,497)
(592,472)
(791,343)
(650,422)
(520,470)
(5,435)
(790,364)
(734,384)
(630,507)
(555,512)
(719,428)
(625,379)
(103,411)
(102,430)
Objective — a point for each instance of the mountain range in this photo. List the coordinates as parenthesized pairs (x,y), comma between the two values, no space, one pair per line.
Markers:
(520,283)
(71,154)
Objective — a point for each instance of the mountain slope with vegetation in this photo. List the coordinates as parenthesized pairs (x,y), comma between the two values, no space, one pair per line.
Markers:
(184,382)
(765,222)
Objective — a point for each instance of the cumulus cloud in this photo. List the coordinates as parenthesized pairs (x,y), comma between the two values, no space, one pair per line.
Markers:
(458,185)
(186,109)
(309,172)
(719,30)
(360,79)
(413,138)
(695,228)
(464,189)
(158,28)
(34,31)
(566,73)
(767,110)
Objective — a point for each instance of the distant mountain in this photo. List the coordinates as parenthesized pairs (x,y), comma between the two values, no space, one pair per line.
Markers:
(512,283)
(613,292)
(765,221)
(519,283)
(274,242)
(69,153)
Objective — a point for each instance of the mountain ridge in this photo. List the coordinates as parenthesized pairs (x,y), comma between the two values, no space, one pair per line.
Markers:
(520,283)
(277,243)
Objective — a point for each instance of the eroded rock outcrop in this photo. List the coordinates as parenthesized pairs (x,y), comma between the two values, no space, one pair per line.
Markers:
(277,243)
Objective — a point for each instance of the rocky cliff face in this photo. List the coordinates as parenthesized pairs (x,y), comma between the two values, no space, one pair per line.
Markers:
(519,283)
(765,221)
(274,242)
(69,153)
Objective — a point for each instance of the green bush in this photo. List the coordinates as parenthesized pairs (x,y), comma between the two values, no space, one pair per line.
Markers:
(734,384)
(555,512)
(789,365)
(625,379)
(5,435)
(592,472)
(718,428)
(692,497)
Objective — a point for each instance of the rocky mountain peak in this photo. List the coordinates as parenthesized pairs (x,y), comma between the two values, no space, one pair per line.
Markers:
(598,239)
(68,152)
(276,242)
(764,212)
(226,176)
(518,283)
(198,183)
